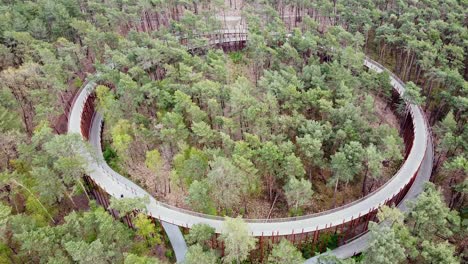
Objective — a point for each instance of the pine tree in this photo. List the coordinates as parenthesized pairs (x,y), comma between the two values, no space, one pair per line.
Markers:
(384,246)
(285,252)
(298,193)
(237,240)
(196,255)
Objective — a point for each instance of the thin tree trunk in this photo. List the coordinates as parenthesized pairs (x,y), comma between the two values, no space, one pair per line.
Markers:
(364,182)
(270,186)
(84,189)
(71,200)
(372,185)
(334,194)
(272,206)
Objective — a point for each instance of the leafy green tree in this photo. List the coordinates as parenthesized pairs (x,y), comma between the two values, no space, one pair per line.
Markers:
(450,140)
(249,169)
(395,220)
(173,130)
(24,83)
(153,160)
(155,163)
(341,171)
(429,214)
(69,163)
(269,161)
(298,192)
(448,124)
(146,229)
(417,243)
(438,253)
(122,137)
(392,149)
(191,164)
(107,103)
(227,183)
(83,252)
(412,94)
(373,165)
(199,197)
(205,134)
(312,150)
(285,86)
(51,190)
(456,168)
(56,164)
(188,109)
(196,255)
(259,51)
(237,240)
(135,259)
(285,252)
(126,205)
(354,154)
(200,234)
(384,246)
(351,59)
(92,236)
(293,166)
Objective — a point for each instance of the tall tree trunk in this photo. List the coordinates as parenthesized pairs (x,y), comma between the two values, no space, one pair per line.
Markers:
(428,95)
(270,187)
(364,182)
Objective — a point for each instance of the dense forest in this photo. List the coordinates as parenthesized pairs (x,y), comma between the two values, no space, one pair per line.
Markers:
(288,124)
(212,126)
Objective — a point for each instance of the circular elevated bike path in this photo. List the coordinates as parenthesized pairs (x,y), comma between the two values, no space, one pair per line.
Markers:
(171,217)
